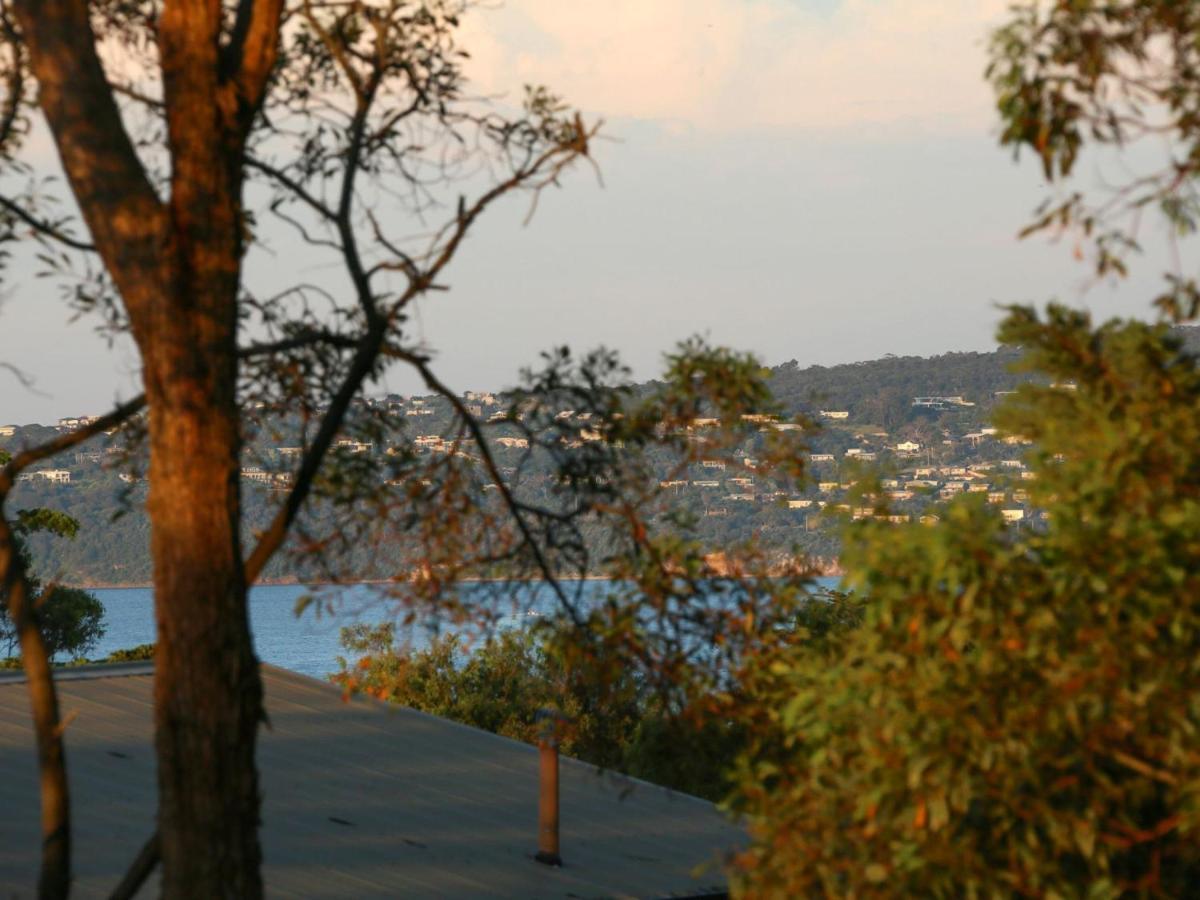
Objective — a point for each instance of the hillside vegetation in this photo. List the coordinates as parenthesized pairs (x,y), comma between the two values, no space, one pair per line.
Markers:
(107,495)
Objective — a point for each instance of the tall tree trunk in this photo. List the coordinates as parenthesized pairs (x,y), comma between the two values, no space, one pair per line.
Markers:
(207,687)
(208,692)
(176,262)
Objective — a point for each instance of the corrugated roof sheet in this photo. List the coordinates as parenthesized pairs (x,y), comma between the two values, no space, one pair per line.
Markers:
(359,800)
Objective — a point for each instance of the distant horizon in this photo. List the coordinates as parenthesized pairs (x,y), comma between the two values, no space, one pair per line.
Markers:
(495,390)
(866,209)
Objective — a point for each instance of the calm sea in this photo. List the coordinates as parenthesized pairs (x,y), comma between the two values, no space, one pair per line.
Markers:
(308,643)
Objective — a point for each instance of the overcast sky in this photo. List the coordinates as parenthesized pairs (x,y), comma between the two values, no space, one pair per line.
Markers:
(816,180)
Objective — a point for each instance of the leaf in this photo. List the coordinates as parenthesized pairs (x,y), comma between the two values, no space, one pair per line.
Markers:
(876,873)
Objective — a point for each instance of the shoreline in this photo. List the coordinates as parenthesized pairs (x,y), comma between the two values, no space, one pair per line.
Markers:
(821,569)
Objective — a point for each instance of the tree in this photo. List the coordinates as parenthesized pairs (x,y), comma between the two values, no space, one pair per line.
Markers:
(317,101)
(503,684)
(348,123)
(1015,714)
(70,620)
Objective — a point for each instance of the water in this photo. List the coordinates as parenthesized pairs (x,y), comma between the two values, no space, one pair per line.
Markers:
(308,644)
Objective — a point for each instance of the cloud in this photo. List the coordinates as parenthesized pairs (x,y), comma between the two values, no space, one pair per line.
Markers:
(738,64)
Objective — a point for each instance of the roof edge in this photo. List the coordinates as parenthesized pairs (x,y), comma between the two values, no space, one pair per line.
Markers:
(84,672)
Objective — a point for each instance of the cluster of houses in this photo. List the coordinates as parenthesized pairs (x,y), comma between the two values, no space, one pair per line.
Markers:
(991,468)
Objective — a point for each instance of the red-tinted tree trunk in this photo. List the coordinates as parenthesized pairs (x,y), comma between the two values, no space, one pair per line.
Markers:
(207,686)
(176,262)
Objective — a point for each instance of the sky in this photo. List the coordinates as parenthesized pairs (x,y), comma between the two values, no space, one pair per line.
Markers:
(809,180)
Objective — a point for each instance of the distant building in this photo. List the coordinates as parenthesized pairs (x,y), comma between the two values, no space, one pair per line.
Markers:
(940,403)
(1013,515)
(835,414)
(908,447)
(54,476)
(8,430)
(70,424)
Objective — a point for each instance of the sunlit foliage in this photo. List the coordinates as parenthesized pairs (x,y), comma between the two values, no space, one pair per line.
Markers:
(1017,714)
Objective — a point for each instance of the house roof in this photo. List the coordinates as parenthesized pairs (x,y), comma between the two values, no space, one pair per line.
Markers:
(360,799)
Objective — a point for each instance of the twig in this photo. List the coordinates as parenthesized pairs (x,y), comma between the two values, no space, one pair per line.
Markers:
(514,506)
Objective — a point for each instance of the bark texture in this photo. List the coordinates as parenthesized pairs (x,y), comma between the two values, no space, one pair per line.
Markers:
(176,262)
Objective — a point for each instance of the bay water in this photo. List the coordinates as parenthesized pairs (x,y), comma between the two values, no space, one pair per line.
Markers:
(309,643)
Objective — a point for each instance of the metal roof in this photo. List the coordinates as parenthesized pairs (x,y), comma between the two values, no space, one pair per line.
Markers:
(360,799)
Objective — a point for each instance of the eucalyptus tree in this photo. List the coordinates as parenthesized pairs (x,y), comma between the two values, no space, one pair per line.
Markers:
(1014,714)
(184,127)
(180,127)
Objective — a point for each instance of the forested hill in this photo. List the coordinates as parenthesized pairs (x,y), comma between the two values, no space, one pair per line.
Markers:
(901,411)
(870,386)
(880,391)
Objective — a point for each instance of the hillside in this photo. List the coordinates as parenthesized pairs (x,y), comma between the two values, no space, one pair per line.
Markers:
(922,420)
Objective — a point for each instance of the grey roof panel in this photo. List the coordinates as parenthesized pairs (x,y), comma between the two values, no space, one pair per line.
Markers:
(360,800)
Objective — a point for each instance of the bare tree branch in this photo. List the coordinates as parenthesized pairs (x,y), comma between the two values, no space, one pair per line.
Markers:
(515,508)
(139,870)
(297,342)
(119,205)
(46,228)
(315,204)
(275,534)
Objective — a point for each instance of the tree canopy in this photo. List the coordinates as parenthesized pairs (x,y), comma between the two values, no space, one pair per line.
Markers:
(70,620)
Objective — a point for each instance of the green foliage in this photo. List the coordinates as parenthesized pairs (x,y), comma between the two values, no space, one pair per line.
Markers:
(502,684)
(71,620)
(1018,712)
(140,653)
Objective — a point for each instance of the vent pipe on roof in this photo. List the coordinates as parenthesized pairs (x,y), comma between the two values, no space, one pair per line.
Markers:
(548,788)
